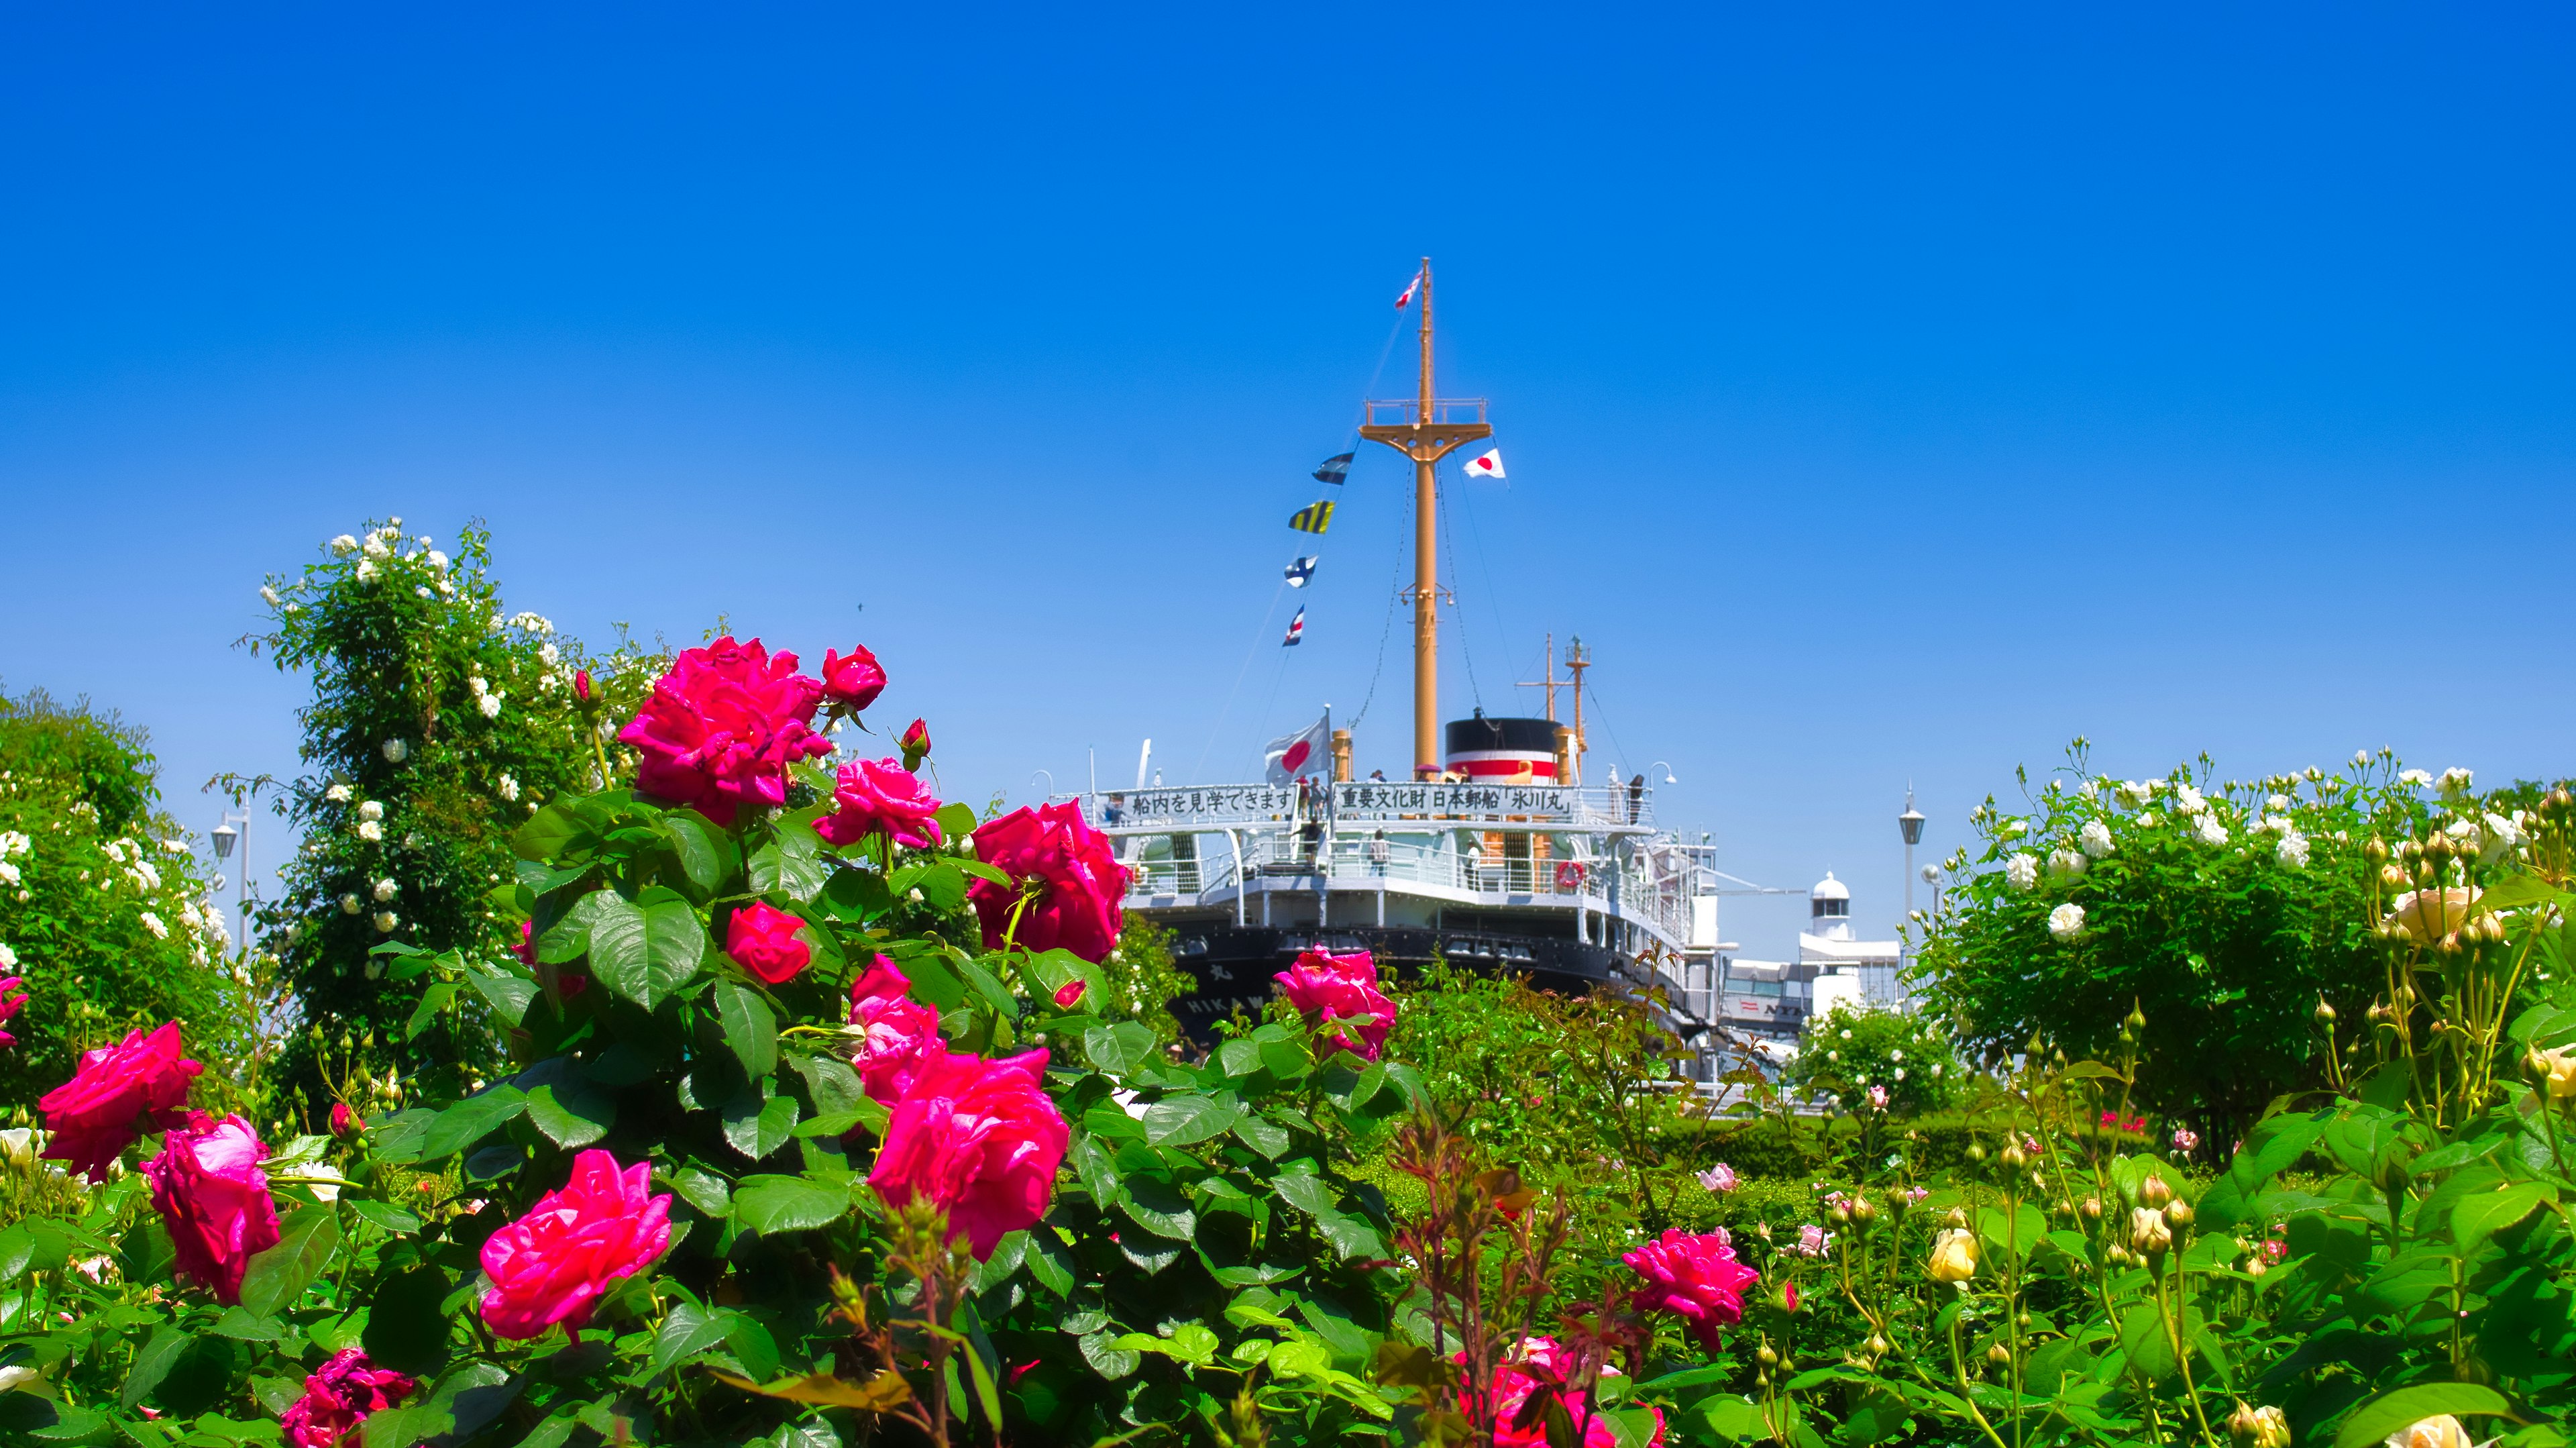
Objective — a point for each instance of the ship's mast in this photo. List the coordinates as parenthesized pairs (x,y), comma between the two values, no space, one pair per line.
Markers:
(1425,430)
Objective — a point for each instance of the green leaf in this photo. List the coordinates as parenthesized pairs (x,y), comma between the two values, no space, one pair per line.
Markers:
(433,1000)
(675,943)
(1158,1208)
(2143,1338)
(1107,1358)
(750,1027)
(770,1204)
(706,853)
(241,1325)
(755,1127)
(547,833)
(384,1214)
(942,885)
(508,995)
(836,1089)
(1190,1342)
(955,818)
(159,1354)
(406,1329)
(1263,1135)
(2392,1412)
(689,1331)
(571,1110)
(470,1120)
(470,1396)
(1048,1261)
(790,865)
(1119,1049)
(610,928)
(2481,1215)
(1181,1120)
(276,1278)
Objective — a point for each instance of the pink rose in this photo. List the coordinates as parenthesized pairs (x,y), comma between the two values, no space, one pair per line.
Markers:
(915,744)
(12,1000)
(880,797)
(552,1265)
(94,1115)
(1323,986)
(978,1138)
(901,1036)
(1067,884)
(722,726)
(213,1197)
(1719,1178)
(344,1122)
(763,938)
(526,949)
(853,682)
(1539,1366)
(1696,1278)
(338,1399)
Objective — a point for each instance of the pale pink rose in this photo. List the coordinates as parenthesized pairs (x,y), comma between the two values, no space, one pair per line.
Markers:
(2186,1140)
(978,1138)
(1323,987)
(1812,1241)
(722,726)
(1067,885)
(119,1092)
(881,797)
(211,1194)
(1719,1178)
(1878,1097)
(762,938)
(1696,1278)
(552,1265)
(339,1399)
(901,1033)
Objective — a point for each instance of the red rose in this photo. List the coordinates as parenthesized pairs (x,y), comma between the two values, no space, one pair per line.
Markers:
(763,939)
(1535,1368)
(880,797)
(1322,987)
(553,1264)
(979,1138)
(1695,1277)
(901,1034)
(853,682)
(344,1122)
(1067,883)
(581,687)
(211,1194)
(915,744)
(526,949)
(12,1000)
(339,1399)
(722,727)
(93,1116)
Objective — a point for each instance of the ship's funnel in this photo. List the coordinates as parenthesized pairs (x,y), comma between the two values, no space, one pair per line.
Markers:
(1503,751)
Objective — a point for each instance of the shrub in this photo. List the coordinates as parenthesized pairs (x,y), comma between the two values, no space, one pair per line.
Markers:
(1851,1049)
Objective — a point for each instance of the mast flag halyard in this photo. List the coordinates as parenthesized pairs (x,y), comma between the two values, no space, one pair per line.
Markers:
(1425,430)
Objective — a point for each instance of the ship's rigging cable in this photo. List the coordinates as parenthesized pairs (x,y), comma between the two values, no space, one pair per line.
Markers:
(1246,667)
(1484,562)
(1604,714)
(1386,630)
(1465,651)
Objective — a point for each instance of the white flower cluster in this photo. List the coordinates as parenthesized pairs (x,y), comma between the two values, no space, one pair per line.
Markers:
(338,793)
(486,698)
(2066,922)
(2066,864)
(2454,782)
(14,846)
(396,751)
(532,623)
(2096,839)
(2137,792)
(509,788)
(2021,872)
(2212,833)
(2189,800)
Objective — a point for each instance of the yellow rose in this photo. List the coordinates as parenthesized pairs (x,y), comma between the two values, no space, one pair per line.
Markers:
(2428,915)
(1954,1255)
(2559,1065)
(2253,1427)
(2439,1432)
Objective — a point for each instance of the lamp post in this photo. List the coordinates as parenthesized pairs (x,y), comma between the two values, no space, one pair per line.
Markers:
(1910,824)
(225,837)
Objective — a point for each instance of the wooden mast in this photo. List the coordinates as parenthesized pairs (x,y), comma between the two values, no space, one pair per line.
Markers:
(1426,433)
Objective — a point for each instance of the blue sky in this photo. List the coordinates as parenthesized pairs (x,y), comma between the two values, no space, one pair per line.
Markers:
(1887,395)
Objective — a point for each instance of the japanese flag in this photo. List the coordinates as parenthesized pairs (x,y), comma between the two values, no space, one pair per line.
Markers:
(1487,465)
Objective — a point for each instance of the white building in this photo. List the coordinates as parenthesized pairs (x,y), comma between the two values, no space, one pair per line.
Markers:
(1777,997)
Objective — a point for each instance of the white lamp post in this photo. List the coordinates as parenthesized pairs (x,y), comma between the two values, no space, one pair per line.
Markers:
(1910,824)
(225,837)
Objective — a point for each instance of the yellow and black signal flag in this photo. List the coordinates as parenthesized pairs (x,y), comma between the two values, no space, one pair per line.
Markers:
(1312,518)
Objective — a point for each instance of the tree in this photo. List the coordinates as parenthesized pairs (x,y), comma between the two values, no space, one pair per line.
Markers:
(440,722)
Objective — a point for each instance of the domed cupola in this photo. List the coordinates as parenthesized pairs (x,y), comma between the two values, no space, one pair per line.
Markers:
(1829,909)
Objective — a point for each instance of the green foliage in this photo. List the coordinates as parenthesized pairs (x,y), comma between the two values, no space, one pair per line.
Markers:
(1852,1048)
(440,722)
(2223,912)
(1142,981)
(102,908)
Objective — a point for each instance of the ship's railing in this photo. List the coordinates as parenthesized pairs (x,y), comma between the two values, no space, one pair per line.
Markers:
(1361,863)
(1407,411)
(1375,802)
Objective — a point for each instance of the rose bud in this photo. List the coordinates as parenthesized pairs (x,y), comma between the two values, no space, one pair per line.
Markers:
(915,744)
(344,1122)
(581,687)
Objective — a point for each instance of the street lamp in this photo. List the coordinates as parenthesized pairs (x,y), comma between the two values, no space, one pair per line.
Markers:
(1910,824)
(225,837)
(1667,769)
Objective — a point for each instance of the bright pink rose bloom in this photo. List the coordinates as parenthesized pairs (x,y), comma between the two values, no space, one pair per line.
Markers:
(881,797)
(338,1399)
(213,1197)
(979,1138)
(12,1000)
(1323,986)
(552,1265)
(1696,1278)
(722,727)
(1538,1368)
(902,1033)
(118,1092)
(853,682)
(1075,880)
(763,938)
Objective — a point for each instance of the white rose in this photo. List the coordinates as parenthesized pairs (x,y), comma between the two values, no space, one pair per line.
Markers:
(396,751)
(371,810)
(8,873)
(337,794)
(2066,922)
(2021,872)
(366,571)
(437,560)
(509,787)
(376,547)
(2066,864)
(386,920)
(551,655)
(344,545)
(352,905)
(2096,839)
(153,923)
(490,704)
(8,958)
(2211,831)
(2292,850)
(370,831)
(386,889)
(2414,776)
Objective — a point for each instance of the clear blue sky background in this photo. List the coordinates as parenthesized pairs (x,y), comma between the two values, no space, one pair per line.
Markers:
(1888,394)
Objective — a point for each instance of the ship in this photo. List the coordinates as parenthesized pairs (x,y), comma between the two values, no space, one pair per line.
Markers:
(1497,855)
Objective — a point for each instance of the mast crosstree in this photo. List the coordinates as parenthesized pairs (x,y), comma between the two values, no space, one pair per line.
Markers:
(1426,429)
